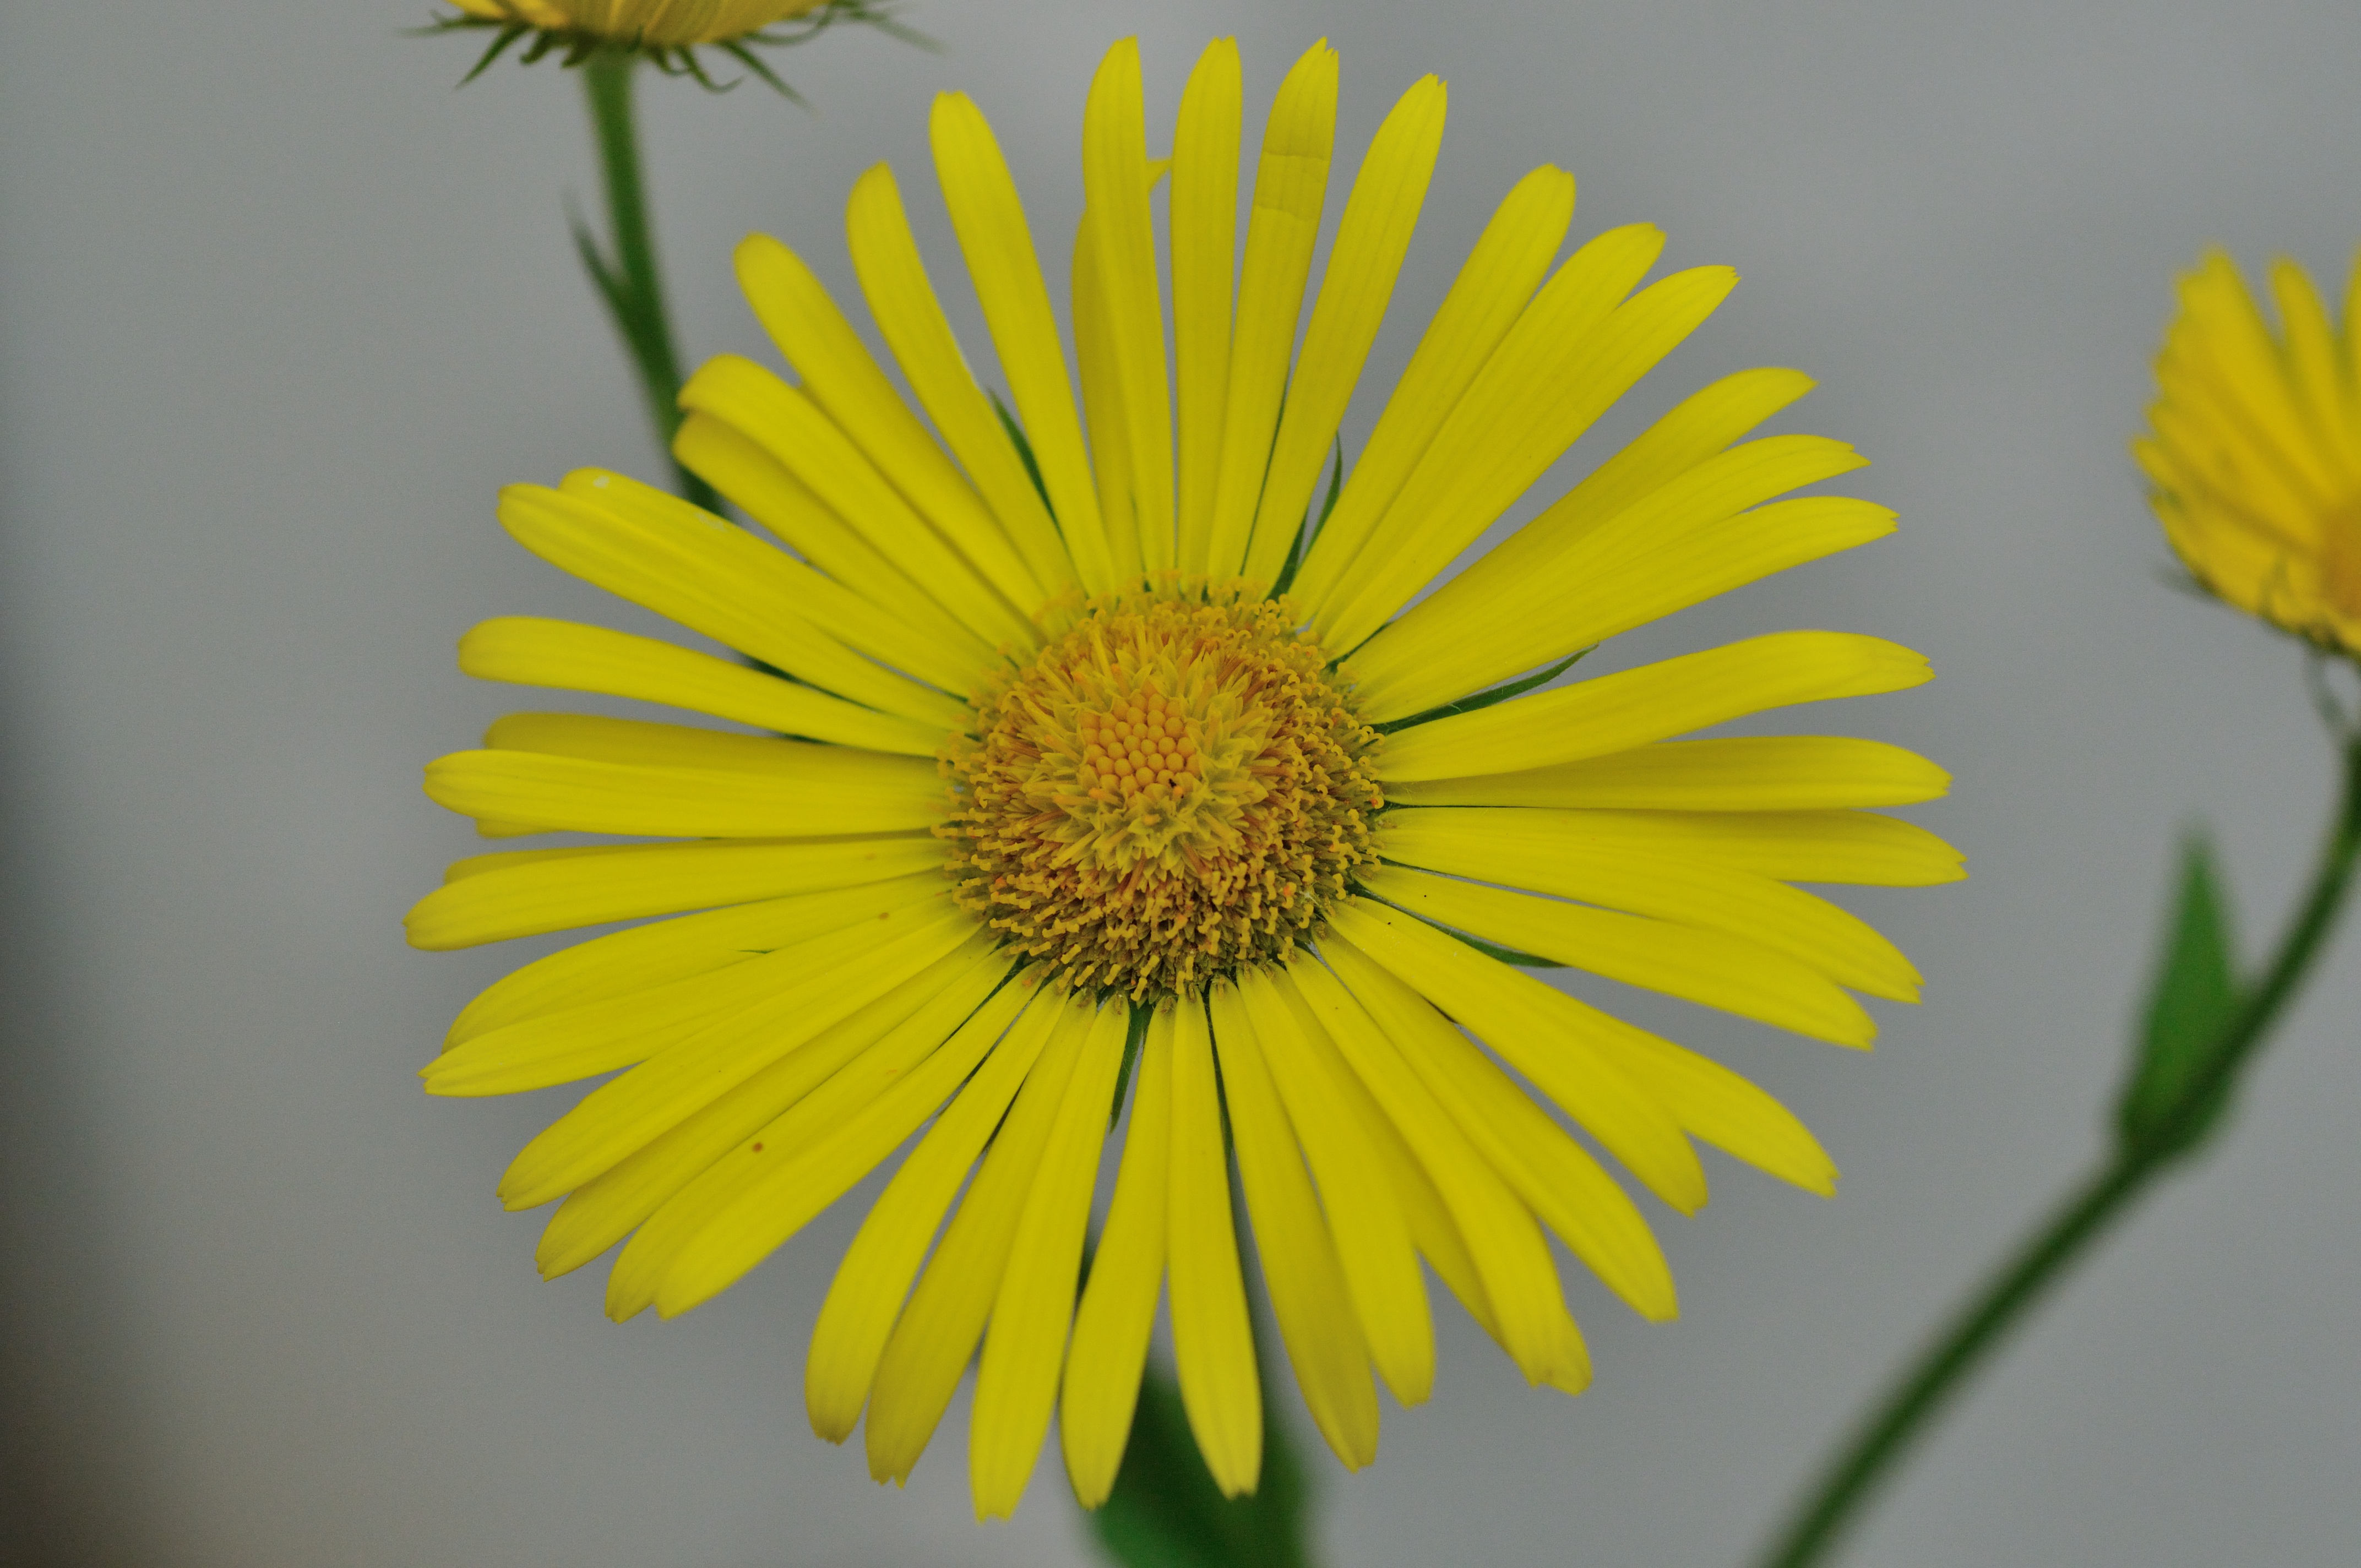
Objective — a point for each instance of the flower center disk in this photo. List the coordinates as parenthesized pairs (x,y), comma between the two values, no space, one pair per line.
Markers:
(1174,788)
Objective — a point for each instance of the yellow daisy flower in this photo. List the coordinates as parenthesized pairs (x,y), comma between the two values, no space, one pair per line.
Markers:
(642,24)
(1115,766)
(2255,453)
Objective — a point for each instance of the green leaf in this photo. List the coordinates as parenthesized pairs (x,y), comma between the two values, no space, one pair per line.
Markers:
(2195,996)
(604,277)
(1166,1511)
(1487,698)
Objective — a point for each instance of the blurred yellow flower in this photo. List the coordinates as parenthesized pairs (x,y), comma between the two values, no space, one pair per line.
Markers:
(649,24)
(2255,450)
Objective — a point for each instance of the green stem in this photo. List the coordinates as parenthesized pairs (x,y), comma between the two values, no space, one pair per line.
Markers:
(625,272)
(1866,1460)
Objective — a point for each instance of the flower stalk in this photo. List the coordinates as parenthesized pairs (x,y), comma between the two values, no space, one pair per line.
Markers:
(624,271)
(2153,1134)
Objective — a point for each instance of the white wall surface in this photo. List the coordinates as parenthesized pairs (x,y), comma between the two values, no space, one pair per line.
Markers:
(280,309)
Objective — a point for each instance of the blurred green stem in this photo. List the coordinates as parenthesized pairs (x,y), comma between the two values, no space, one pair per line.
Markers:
(1866,1460)
(624,271)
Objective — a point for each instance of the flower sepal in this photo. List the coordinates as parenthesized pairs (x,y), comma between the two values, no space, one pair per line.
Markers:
(551,28)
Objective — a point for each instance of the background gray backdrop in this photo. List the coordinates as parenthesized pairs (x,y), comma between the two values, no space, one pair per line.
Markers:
(279,309)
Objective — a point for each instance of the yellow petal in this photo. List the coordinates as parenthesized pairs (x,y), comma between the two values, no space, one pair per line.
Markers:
(998,245)
(1307,1292)
(795,308)
(779,1113)
(1681,543)
(1118,1306)
(2351,343)
(883,549)
(1492,290)
(608,797)
(502,860)
(1573,352)
(1357,1191)
(1703,1097)
(1291,187)
(648,956)
(1550,1172)
(1695,429)
(1733,553)
(939,1329)
(1613,713)
(2207,421)
(2241,358)
(1516,1279)
(893,280)
(1714,1104)
(529,651)
(1371,241)
(639,743)
(1670,885)
(1433,1231)
(816,986)
(730,1183)
(1545,1033)
(1205,262)
(636,743)
(866,1295)
(717,580)
(1103,406)
(656,879)
(595,1034)
(1016,1380)
(1213,1341)
(936,651)
(876,610)
(1754,773)
(1115,152)
(1705,967)
(1790,846)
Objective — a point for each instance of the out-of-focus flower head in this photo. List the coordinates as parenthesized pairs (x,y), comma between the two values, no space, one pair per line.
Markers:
(668,32)
(2254,450)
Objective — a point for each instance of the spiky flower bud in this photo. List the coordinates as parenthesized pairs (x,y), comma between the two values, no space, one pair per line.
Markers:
(641,23)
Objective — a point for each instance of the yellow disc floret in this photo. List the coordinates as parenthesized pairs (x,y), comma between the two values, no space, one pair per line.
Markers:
(1176,786)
